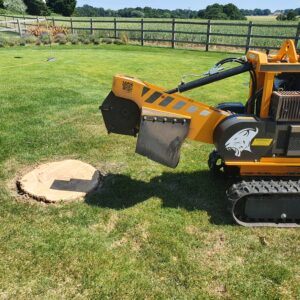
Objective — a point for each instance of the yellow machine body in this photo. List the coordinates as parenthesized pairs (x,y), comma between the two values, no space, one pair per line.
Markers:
(204,118)
(259,140)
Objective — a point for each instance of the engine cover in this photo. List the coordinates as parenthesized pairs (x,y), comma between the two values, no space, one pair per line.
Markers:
(244,138)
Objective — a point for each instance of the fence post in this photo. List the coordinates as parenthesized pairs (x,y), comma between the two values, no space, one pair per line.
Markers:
(5,21)
(115,28)
(142,32)
(71,25)
(53,22)
(208,35)
(92,31)
(297,36)
(173,33)
(14,22)
(24,23)
(19,27)
(38,21)
(249,36)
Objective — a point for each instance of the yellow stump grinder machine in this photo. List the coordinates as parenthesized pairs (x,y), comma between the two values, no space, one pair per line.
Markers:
(258,143)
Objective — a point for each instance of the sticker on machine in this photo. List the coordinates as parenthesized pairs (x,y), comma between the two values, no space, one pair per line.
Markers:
(241,141)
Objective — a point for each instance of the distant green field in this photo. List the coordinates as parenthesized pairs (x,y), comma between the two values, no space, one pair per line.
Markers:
(192,33)
(262,19)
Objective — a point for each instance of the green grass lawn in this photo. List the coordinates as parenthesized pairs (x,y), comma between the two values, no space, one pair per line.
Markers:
(151,232)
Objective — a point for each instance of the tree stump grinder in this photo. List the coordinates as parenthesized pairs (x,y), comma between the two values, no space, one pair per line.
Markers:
(257,144)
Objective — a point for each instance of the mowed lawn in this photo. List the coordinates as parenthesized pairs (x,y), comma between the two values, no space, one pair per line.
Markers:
(151,232)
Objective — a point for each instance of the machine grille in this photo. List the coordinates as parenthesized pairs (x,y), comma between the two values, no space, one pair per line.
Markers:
(285,106)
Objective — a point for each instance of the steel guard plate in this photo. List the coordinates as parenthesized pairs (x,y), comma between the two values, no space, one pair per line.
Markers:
(160,139)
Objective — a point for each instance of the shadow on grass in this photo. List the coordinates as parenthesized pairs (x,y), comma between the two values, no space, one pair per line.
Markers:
(192,191)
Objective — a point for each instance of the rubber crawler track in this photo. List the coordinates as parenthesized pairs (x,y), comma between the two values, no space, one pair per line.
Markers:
(260,190)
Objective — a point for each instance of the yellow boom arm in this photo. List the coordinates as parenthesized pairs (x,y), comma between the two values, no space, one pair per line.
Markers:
(152,100)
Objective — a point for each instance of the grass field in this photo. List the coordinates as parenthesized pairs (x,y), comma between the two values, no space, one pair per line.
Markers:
(190,32)
(151,232)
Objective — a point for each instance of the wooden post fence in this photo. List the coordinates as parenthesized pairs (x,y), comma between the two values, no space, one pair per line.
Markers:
(19,27)
(188,36)
(297,35)
(24,23)
(91,28)
(208,35)
(115,28)
(142,32)
(173,33)
(71,25)
(249,35)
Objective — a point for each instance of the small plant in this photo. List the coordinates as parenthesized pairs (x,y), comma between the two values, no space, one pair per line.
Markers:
(85,41)
(92,38)
(82,38)
(124,38)
(60,39)
(107,41)
(73,39)
(22,42)
(118,42)
(38,42)
(3,42)
(97,41)
(45,38)
(30,39)
(46,27)
(12,42)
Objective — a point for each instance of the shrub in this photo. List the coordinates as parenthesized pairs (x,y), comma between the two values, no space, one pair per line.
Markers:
(17,6)
(124,38)
(118,42)
(45,38)
(85,41)
(22,42)
(97,41)
(30,39)
(107,41)
(46,27)
(38,42)
(82,38)
(3,42)
(12,42)
(92,38)
(60,39)
(73,39)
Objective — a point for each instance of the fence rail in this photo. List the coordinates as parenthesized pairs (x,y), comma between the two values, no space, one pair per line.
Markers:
(207,37)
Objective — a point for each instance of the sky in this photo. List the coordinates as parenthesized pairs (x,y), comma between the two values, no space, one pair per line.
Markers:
(191,4)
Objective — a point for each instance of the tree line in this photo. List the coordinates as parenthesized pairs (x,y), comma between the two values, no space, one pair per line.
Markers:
(215,11)
(39,7)
(68,8)
(289,15)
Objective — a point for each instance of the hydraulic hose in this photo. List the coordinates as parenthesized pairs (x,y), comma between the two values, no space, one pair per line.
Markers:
(246,67)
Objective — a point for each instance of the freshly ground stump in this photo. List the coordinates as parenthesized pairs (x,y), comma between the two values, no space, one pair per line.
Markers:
(60,181)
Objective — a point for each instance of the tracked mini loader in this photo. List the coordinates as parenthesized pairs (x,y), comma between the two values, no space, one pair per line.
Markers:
(258,143)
